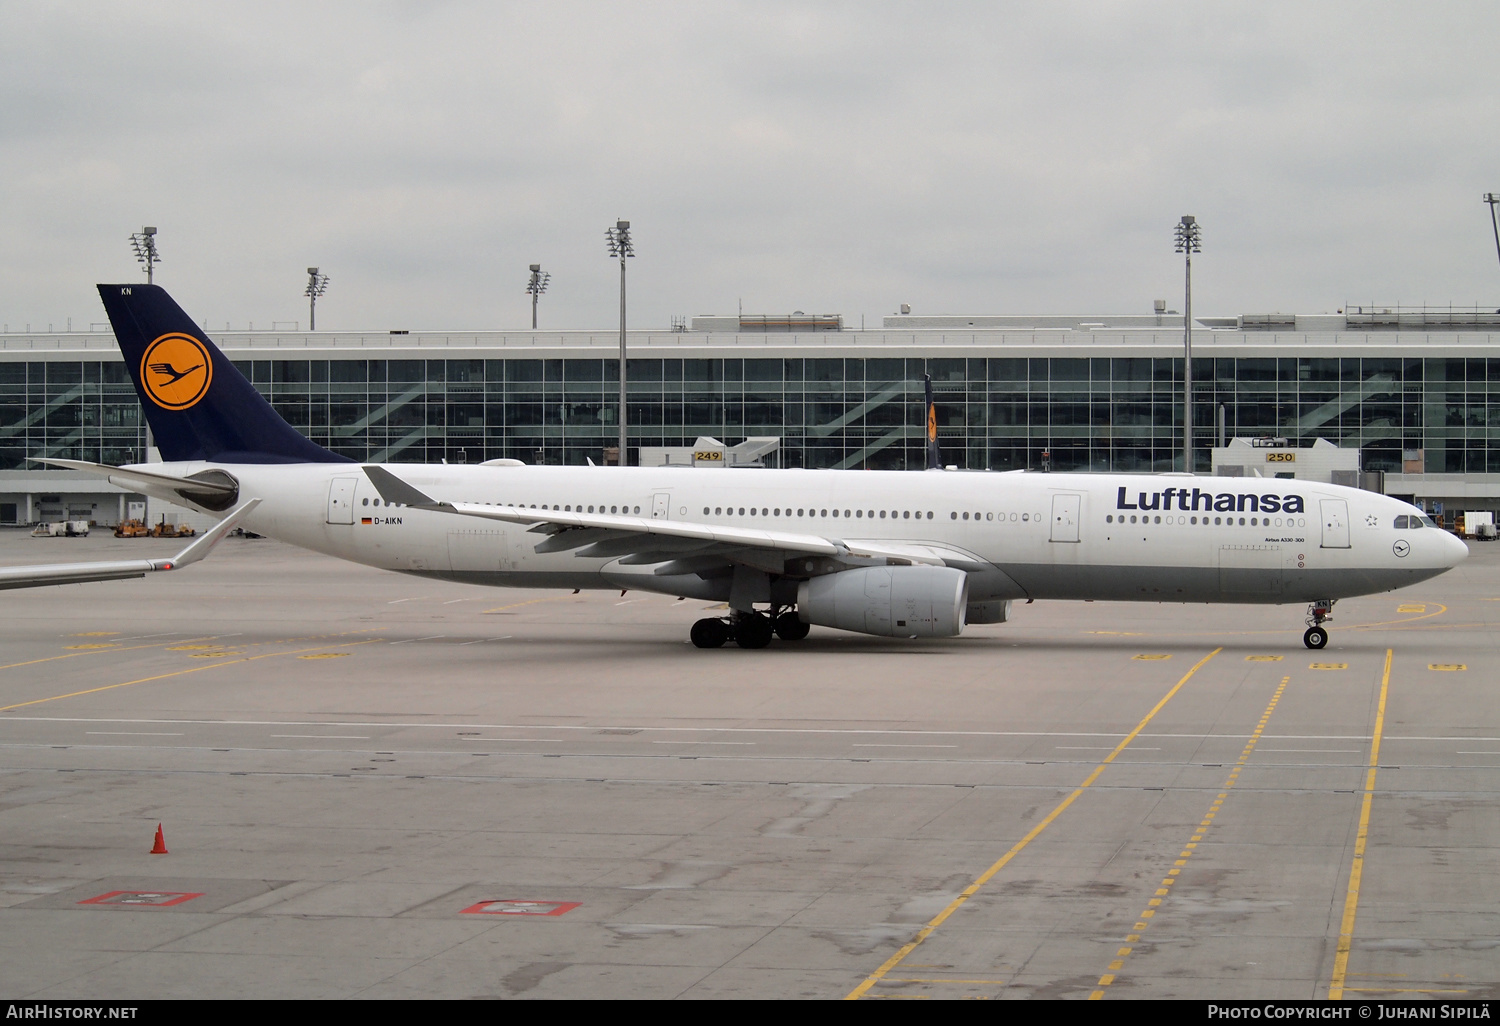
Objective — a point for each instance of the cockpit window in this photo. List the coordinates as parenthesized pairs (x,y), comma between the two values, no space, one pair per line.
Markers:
(1403,522)
(1425,522)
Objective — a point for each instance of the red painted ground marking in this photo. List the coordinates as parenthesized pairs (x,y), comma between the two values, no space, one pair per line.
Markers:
(508,907)
(146,899)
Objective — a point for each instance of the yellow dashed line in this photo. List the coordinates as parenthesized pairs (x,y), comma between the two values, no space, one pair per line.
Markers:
(1171,878)
(1152,656)
(1447,666)
(973,888)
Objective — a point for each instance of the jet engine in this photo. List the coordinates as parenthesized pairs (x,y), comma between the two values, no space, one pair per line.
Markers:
(891,601)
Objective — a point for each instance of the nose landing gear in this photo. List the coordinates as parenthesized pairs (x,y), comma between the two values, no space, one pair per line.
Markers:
(1316,635)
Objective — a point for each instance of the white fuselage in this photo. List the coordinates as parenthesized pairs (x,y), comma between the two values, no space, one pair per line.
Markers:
(1173,538)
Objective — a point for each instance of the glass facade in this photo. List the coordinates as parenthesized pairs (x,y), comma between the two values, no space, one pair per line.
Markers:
(998,411)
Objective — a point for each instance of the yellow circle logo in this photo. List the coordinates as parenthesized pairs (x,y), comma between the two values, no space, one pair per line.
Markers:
(176,371)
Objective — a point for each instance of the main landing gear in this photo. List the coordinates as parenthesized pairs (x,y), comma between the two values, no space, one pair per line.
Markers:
(1317,612)
(748,630)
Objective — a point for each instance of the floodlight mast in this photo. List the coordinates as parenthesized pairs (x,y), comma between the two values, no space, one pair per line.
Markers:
(621,246)
(144,244)
(1187,244)
(317,284)
(535,287)
(1493,198)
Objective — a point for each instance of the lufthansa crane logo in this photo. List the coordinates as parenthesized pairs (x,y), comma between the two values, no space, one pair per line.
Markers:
(176,371)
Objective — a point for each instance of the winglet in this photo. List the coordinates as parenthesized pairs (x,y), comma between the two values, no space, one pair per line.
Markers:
(393,489)
(202,546)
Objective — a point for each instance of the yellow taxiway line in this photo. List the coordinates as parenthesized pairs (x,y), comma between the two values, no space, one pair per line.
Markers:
(175,673)
(973,888)
(1357,866)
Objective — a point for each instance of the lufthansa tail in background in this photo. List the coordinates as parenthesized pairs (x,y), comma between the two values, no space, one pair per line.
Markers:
(894,554)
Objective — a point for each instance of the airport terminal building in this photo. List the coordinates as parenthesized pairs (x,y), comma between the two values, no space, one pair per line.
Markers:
(1416,391)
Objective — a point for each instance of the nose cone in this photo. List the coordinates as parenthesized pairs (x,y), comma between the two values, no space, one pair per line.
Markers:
(1455,550)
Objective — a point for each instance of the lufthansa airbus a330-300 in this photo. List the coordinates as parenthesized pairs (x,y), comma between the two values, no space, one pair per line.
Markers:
(895,554)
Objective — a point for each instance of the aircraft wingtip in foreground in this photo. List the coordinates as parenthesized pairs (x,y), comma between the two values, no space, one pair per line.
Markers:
(878,552)
(123,569)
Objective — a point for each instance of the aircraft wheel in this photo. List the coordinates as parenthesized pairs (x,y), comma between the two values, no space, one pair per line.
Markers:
(753,631)
(710,633)
(1316,637)
(790,628)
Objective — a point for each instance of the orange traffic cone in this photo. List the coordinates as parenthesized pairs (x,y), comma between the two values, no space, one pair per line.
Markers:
(160,847)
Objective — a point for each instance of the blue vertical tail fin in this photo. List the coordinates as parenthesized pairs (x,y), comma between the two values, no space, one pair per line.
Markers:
(198,405)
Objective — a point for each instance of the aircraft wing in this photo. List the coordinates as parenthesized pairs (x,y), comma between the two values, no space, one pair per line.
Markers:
(643,541)
(116,570)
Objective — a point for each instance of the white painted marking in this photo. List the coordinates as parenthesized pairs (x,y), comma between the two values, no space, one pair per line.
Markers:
(446,725)
(430,637)
(750,743)
(1097,748)
(133,733)
(327,737)
(1314,751)
(481,641)
(900,746)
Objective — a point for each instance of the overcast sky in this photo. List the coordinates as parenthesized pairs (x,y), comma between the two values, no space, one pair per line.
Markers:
(832,158)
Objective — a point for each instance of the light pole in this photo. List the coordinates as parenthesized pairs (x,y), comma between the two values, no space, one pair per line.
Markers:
(1491,198)
(1187,245)
(144,243)
(317,284)
(620,245)
(535,287)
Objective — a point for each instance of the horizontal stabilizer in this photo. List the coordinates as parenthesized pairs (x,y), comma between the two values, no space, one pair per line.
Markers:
(134,475)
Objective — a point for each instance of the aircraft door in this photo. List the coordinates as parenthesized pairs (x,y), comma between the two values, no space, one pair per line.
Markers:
(1065,509)
(1335,523)
(341,500)
(660,503)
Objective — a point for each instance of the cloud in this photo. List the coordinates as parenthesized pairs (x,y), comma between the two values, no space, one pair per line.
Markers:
(966,158)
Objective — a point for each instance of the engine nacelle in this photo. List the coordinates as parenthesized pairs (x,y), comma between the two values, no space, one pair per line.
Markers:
(993,611)
(891,601)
